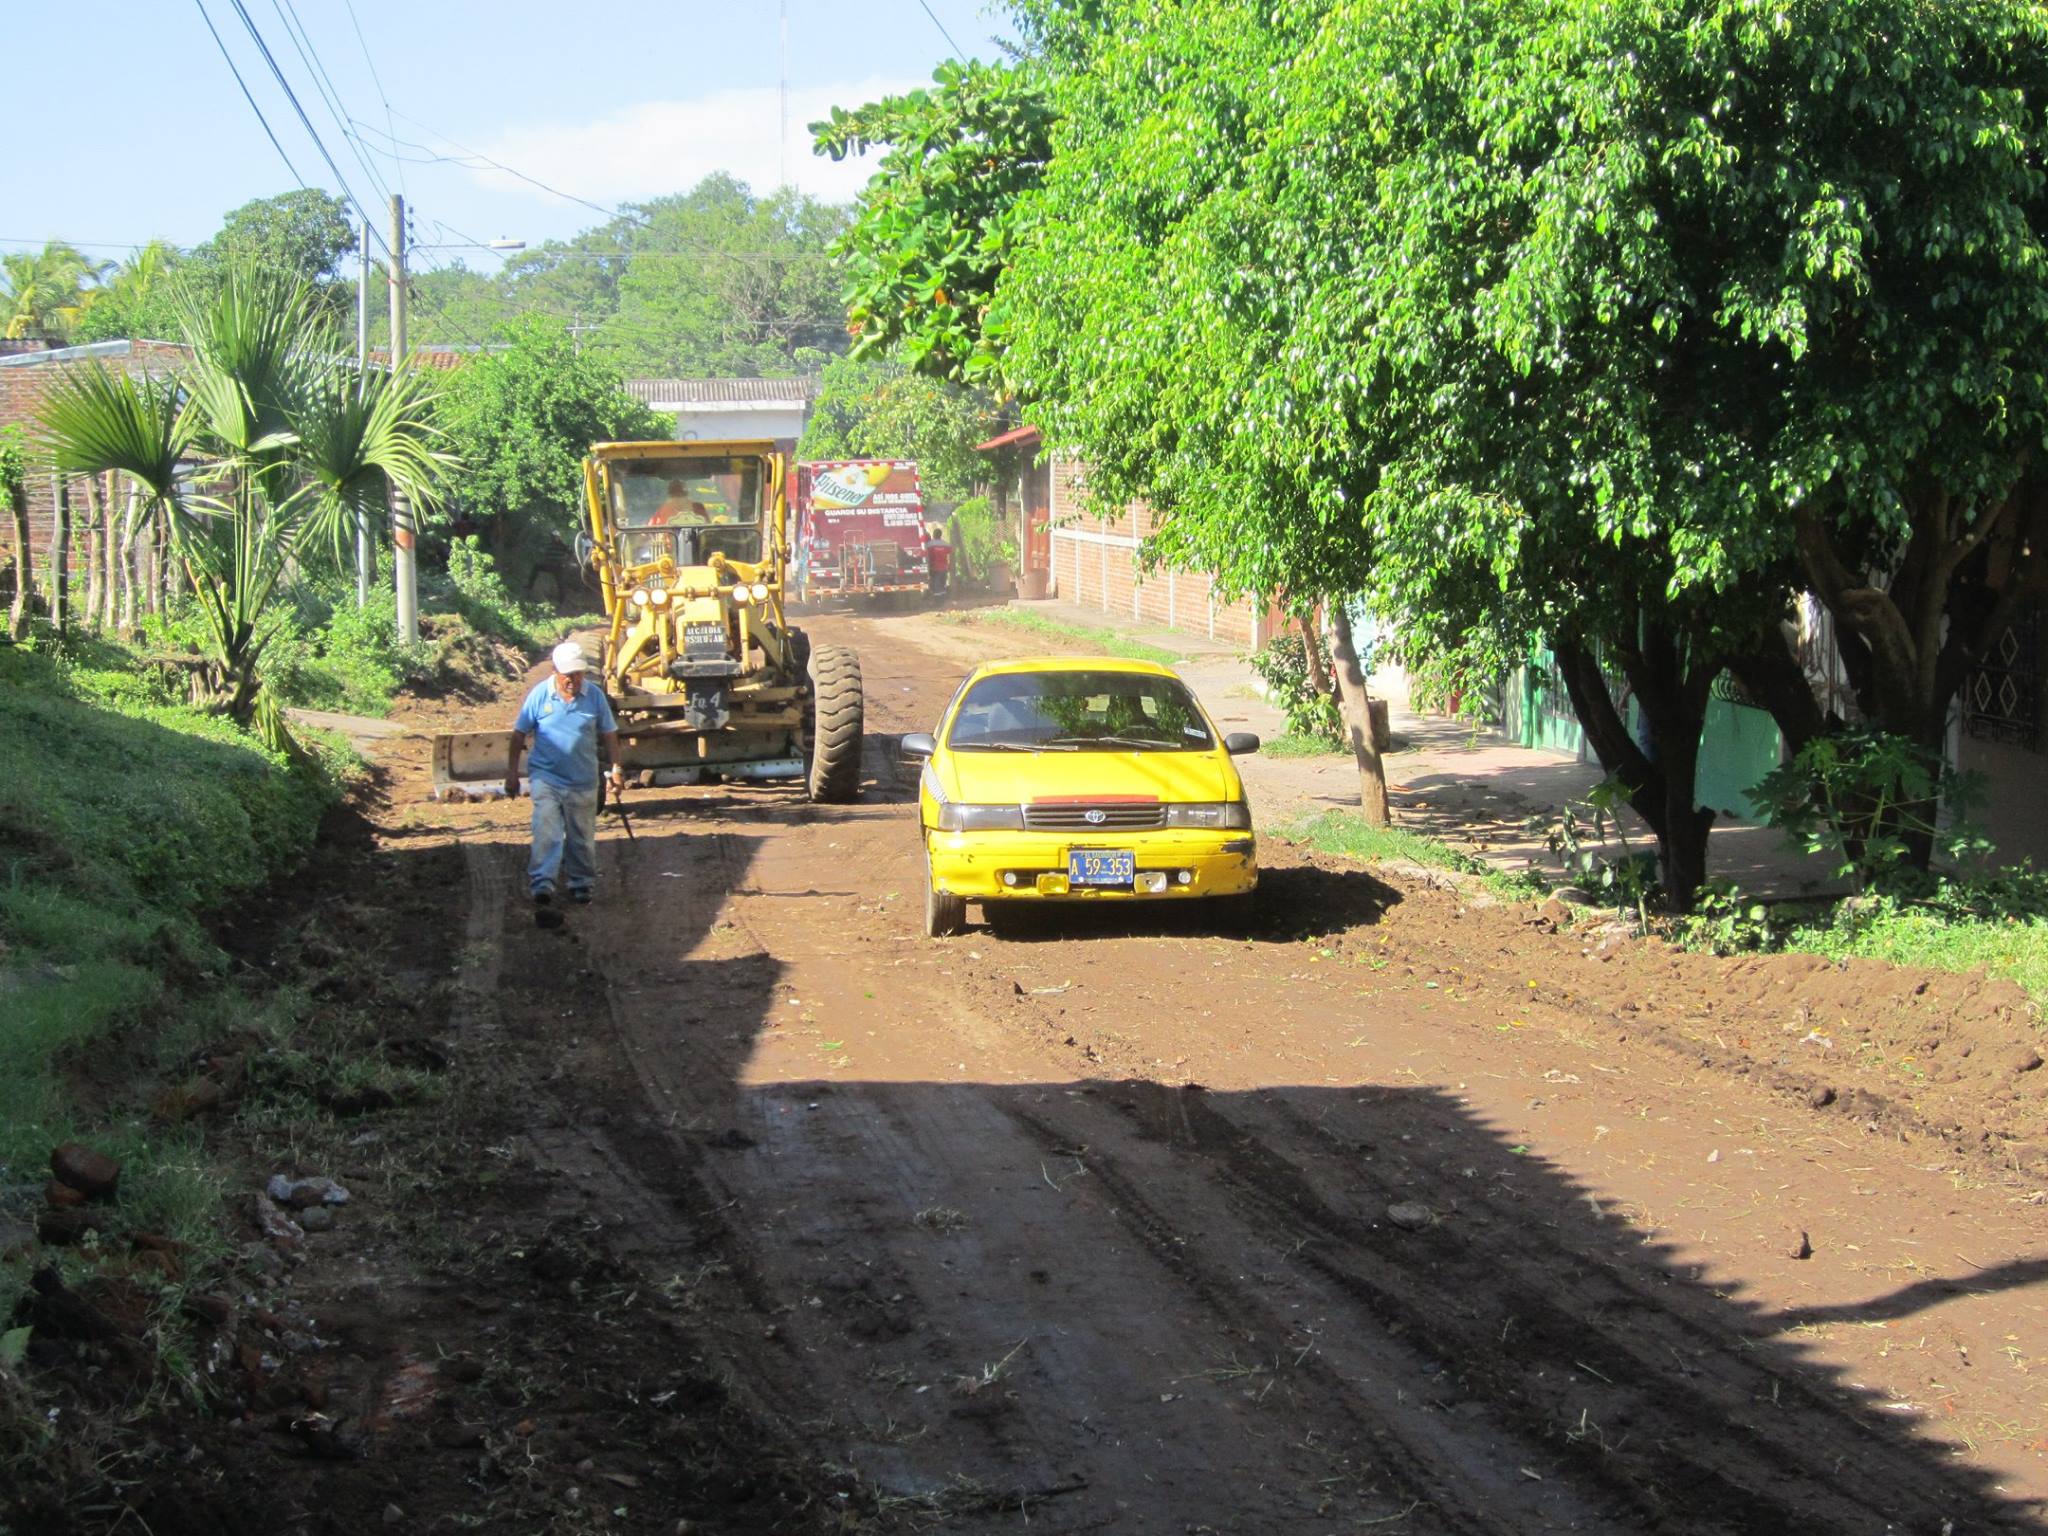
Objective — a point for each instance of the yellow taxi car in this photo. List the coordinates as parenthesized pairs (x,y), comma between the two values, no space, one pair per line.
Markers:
(1079,778)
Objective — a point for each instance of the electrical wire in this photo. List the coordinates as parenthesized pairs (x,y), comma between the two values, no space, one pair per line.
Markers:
(376,79)
(302,41)
(287,159)
(942,31)
(311,132)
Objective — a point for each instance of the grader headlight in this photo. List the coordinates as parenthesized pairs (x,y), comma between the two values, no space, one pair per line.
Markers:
(640,597)
(759,591)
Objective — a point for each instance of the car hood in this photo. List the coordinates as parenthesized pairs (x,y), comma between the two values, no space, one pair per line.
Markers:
(1018,778)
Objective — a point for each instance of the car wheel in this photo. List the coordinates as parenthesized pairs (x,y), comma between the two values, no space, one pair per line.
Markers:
(944,915)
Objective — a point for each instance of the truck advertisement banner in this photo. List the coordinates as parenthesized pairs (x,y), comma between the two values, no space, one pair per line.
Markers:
(862,525)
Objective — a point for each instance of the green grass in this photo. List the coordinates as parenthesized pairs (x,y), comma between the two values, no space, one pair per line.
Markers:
(2014,949)
(1352,837)
(125,821)
(1110,642)
(1297,744)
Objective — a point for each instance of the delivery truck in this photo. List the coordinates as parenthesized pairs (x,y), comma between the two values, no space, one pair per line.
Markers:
(863,527)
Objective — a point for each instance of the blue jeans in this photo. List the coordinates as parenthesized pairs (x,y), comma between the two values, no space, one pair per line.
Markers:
(564,837)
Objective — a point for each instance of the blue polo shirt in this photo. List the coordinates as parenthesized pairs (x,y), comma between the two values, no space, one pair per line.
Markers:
(564,732)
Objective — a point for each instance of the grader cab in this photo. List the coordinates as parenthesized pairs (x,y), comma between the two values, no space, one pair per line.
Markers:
(690,545)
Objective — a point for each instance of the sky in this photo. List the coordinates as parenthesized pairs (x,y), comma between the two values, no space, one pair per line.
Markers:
(603,101)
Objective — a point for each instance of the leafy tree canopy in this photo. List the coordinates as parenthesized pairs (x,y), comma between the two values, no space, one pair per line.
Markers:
(715,281)
(304,232)
(881,410)
(935,226)
(521,420)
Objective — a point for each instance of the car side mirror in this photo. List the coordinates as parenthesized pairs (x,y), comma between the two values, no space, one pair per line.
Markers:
(919,744)
(1238,743)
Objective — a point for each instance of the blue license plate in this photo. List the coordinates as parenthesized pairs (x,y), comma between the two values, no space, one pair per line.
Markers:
(1101,866)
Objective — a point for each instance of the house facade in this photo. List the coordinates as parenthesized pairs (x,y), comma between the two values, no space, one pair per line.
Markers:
(732,410)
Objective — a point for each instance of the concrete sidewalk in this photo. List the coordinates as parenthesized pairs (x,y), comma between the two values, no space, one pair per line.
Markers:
(1476,791)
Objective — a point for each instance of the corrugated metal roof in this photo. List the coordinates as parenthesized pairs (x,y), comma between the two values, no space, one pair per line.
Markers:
(799,391)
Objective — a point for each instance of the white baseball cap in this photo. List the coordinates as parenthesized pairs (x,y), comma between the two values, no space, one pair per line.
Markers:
(569,657)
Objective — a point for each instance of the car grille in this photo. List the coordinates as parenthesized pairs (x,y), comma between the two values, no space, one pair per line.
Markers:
(1093,818)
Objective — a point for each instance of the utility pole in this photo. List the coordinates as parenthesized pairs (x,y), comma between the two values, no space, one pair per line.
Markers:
(364,562)
(404,558)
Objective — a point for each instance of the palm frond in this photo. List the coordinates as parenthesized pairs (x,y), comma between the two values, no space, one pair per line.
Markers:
(361,433)
(95,420)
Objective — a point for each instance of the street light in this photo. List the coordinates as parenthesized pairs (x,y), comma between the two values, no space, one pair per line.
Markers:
(507,243)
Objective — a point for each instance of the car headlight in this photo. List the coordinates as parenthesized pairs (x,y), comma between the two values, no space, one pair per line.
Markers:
(1219,815)
(954,817)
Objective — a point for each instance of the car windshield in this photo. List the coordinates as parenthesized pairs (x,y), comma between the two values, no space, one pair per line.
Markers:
(1106,711)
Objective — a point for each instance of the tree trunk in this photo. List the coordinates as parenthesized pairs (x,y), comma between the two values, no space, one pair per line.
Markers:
(1372,774)
(130,527)
(60,553)
(1660,782)
(95,540)
(159,563)
(1312,652)
(24,565)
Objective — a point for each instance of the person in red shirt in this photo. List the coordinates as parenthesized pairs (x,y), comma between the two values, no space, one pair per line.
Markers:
(938,557)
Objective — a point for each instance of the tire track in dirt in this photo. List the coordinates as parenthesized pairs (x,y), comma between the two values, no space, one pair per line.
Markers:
(808,1167)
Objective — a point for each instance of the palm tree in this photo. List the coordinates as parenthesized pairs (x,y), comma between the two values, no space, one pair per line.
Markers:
(266,448)
(43,291)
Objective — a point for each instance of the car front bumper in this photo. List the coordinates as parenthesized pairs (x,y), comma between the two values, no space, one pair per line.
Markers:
(973,865)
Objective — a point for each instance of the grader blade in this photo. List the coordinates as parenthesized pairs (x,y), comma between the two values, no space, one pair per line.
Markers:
(470,765)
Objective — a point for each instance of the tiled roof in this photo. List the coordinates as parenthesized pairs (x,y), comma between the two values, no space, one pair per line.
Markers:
(800,391)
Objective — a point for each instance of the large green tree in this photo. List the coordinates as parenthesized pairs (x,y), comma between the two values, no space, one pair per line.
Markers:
(1611,322)
(43,293)
(933,230)
(521,420)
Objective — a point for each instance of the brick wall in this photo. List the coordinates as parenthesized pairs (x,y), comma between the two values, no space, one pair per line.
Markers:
(25,379)
(1094,564)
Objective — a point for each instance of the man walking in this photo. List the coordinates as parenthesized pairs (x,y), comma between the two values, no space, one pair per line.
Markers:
(565,720)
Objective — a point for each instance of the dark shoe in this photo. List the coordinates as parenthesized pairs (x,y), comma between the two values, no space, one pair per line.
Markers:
(542,898)
(582,897)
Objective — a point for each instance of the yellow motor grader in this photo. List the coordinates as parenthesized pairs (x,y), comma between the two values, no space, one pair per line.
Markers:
(690,543)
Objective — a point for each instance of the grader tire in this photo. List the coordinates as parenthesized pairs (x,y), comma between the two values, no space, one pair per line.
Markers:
(838,717)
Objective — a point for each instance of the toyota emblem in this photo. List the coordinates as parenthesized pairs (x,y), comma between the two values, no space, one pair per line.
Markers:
(1095,818)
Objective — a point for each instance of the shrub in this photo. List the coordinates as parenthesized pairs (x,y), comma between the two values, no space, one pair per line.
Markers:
(1283,666)
(479,595)
(1876,799)
(977,532)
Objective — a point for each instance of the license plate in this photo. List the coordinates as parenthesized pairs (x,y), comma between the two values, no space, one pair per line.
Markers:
(1101,866)
(704,637)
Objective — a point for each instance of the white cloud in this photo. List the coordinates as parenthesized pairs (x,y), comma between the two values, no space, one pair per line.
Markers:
(657,147)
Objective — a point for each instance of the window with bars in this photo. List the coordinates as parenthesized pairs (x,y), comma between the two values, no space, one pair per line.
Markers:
(2002,700)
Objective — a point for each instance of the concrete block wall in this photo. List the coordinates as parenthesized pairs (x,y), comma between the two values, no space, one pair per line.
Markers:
(1094,565)
(24,384)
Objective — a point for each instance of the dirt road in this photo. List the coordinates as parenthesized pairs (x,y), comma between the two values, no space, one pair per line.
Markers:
(1378,1208)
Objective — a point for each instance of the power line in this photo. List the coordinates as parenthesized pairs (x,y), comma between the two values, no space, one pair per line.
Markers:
(483,160)
(376,79)
(287,159)
(942,31)
(311,132)
(302,41)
